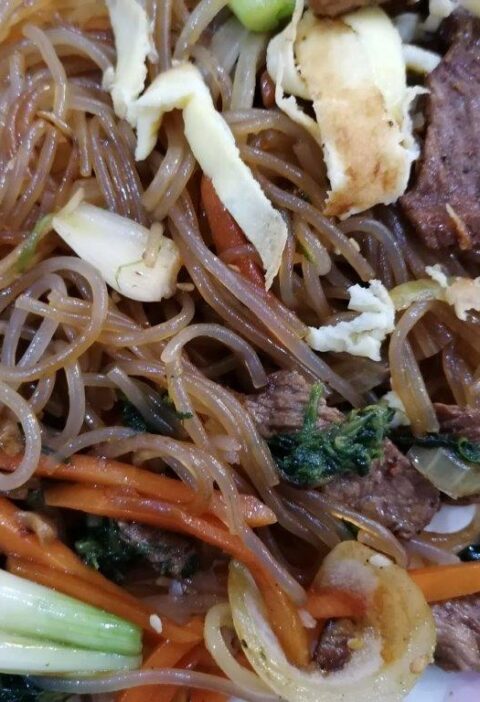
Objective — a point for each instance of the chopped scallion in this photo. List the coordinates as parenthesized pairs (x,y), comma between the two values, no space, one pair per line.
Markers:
(262,15)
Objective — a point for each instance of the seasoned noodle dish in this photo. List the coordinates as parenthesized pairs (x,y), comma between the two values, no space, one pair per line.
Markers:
(240,350)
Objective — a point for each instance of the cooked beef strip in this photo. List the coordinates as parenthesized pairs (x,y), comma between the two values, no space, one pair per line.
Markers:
(280,408)
(168,553)
(393,492)
(460,421)
(458,633)
(460,26)
(444,202)
(333,652)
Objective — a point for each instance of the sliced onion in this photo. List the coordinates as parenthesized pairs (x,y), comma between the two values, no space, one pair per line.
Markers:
(397,632)
(405,294)
(448,472)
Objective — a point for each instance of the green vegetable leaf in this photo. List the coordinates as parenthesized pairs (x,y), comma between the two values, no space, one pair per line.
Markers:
(168,417)
(101,547)
(313,456)
(132,418)
(113,550)
(262,15)
(16,688)
(461,446)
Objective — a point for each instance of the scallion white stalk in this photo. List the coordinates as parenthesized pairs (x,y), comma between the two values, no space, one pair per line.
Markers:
(45,632)
(20,655)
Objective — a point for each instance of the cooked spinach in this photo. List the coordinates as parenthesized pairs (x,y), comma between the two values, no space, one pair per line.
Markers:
(313,456)
(16,688)
(102,547)
(113,549)
(168,420)
(460,445)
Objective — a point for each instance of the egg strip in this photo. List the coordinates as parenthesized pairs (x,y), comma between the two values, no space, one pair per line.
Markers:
(214,147)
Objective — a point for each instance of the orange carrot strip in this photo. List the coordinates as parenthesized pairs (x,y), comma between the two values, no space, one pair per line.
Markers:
(166,655)
(330,603)
(207,696)
(118,505)
(443,582)
(61,567)
(286,623)
(227,234)
(134,611)
(109,502)
(15,540)
(82,590)
(90,469)
(192,658)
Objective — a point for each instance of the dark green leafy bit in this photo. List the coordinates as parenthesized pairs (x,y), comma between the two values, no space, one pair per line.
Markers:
(462,447)
(470,553)
(132,418)
(16,688)
(101,547)
(168,419)
(113,549)
(314,456)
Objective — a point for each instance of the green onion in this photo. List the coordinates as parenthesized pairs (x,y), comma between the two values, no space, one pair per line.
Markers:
(29,247)
(45,632)
(262,15)
(23,655)
(448,471)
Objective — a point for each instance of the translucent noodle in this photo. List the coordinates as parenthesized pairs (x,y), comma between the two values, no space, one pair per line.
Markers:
(169,387)
(166,676)
(33,442)
(407,380)
(218,617)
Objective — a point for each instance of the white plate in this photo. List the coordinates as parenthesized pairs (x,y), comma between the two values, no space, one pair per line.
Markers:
(436,685)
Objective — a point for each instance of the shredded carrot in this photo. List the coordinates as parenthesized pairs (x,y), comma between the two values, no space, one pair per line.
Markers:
(227,235)
(192,658)
(167,655)
(112,503)
(443,582)
(93,470)
(133,610)
(16,540)
(286,623)
(117,504)
(54,565)
(330,603)
(207,696)
(80,589)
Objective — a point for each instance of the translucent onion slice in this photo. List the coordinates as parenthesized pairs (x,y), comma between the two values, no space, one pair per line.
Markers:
(116,246)
(448,472)
(397,632)
(405,294)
